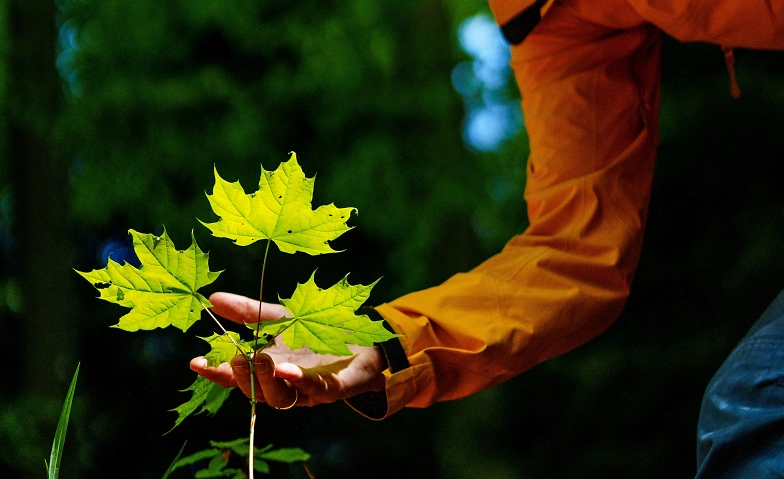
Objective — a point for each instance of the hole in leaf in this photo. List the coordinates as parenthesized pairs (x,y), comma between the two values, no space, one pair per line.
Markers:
(102,285)
(289,231)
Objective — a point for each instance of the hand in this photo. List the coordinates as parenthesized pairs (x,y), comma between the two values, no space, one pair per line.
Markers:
(279,370)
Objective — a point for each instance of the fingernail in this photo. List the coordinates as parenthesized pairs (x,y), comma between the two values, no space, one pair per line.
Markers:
(239,362)
(262,366)
(198,363)
(264,363)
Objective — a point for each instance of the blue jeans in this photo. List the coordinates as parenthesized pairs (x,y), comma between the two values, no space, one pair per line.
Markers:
(740,433)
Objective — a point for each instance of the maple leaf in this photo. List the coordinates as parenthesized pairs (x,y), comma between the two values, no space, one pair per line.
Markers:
(163,291)
(324,320)
(206,397)
(223,348)
(279,211)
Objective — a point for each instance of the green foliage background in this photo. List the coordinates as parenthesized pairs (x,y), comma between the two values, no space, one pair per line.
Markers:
(123,130)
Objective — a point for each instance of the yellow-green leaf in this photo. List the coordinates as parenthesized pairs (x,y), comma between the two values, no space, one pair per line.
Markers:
(162,291)
(279,211)
(324,320)
(223,348)
(206,397)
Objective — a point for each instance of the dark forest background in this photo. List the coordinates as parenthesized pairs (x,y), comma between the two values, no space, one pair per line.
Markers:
(114,113)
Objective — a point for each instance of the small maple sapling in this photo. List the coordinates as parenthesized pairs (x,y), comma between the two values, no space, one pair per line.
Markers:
(163,292)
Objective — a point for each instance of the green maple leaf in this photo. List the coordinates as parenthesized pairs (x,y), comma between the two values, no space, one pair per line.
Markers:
(223,348)
(279,211)
(163,291)
(324,320)
(206,397)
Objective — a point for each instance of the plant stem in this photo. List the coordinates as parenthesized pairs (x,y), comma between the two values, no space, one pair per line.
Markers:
(252,434)
(251,361)
(249,358)
(222,328)
(261,290)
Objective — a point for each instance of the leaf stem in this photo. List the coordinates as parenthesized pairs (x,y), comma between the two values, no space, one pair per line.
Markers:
(251,361)
(252,436)
(261,291)
(223,329)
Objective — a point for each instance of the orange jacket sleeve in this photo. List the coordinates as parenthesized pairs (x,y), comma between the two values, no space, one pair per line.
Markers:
(589,78)
(730,23)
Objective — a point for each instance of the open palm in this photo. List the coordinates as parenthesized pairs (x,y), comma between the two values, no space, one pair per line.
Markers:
(279,370)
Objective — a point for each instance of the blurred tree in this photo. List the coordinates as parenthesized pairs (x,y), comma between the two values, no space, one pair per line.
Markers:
(38,311)
(38,167)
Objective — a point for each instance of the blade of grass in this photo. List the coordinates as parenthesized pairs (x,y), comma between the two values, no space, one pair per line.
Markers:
(62,427)
(176,458)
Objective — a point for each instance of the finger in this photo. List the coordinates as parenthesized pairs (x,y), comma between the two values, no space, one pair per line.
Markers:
(222,375)
(277,392)
(242,377)
(318,384)
(241,309)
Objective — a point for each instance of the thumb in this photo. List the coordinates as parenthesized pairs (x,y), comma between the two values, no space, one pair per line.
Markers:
(277,392)
(239,364)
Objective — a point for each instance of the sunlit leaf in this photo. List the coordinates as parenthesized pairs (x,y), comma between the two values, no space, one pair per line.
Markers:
(162,291)
(224,347)
(324,320)
(279,211)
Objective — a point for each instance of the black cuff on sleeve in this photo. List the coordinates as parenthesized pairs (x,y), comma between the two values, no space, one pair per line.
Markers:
(373,404)
(396,356)
(516,29)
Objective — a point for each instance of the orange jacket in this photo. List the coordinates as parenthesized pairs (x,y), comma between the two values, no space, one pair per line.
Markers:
(589,78)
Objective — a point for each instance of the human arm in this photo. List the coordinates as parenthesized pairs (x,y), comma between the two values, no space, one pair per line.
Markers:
(589,98)
(589,78)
